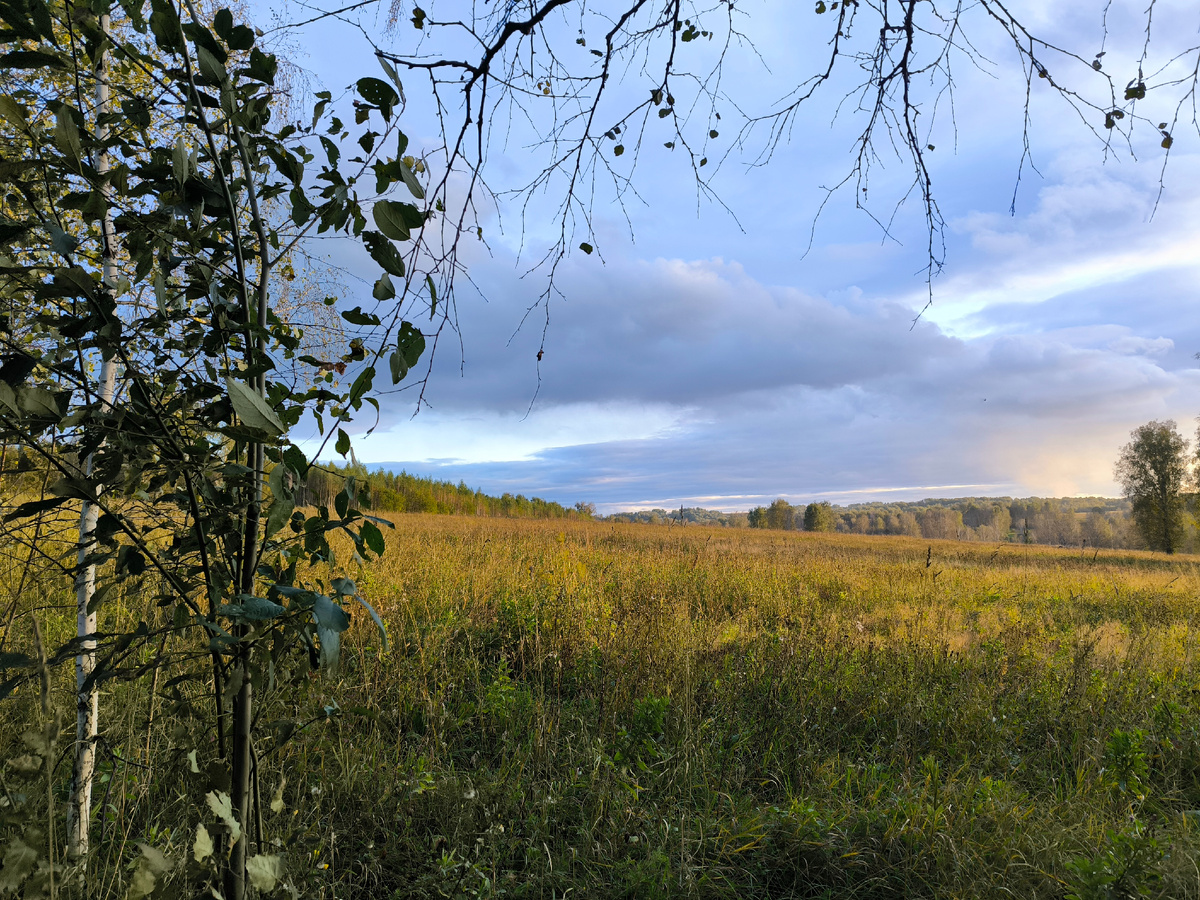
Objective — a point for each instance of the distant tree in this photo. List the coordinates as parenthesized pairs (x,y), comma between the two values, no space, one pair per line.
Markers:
(757,517)
(1153,470)
(818,517)
(781,515)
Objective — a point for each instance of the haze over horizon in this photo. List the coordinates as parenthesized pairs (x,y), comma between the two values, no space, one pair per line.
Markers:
(714,362)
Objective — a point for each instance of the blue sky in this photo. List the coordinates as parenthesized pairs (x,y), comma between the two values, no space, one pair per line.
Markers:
(709,361)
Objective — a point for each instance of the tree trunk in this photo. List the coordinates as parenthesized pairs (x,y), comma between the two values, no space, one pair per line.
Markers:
(87,700)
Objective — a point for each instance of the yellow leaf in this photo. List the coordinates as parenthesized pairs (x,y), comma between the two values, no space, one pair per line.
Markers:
(264,871)
(222,807)
(202,848)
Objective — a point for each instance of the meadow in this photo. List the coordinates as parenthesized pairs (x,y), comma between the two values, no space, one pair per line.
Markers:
(579,709)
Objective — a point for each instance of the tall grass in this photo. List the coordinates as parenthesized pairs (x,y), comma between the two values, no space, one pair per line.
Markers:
(577,709)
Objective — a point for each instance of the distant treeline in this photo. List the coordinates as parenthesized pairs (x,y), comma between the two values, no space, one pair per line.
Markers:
(1068,521)
(391,492)
(690,515)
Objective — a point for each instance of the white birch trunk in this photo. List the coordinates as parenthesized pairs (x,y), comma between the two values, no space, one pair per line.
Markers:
(79,809)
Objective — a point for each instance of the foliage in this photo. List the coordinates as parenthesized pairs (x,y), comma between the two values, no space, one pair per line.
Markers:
(1153,470)
(818,517)
(386,491)
(150,241)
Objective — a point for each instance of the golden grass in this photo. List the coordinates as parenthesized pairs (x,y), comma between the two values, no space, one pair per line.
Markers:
(596,710)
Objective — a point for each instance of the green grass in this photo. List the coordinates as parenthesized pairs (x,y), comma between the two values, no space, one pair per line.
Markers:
(595,711)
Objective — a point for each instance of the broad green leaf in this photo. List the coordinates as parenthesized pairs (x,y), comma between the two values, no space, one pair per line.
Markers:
(14,112)
(34,507)
(255,609)
(210,66)
(66,134)
(384,253)
(150,866)
(62,242)
(330,615)
(283,504)
(390,219)
(39,403)
(253,409)
(263,67)
(356,316)
(31,59)
(383,289)
(372,537)
(362,384)
(378,93)
(410,343)
(410,179)
(331,620)
(342,447)
(291,168)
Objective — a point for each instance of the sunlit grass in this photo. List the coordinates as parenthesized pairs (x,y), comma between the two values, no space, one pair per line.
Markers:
(582,709)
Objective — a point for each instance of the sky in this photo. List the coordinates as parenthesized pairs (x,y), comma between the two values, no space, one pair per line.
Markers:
(709,356)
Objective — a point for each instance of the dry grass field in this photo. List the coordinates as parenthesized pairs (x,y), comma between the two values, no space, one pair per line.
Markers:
(590,710)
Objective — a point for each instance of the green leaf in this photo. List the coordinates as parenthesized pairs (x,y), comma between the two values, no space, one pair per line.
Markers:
(391,73)
(357,317)
(378,93)
(383,289)
(331,621)
(330,615)
(294,459)
(384,253)
(302,210)
(253,409)
(342,447)
(34,507)
(39,403)
(210,66)
(164,23)
(255,609)
(397,219)
(290,167)
(410,343)
(63,243)
(361,385)
(10,231)
(586,248)
(432,295)
(130,561)
(410,179)
(283,503)
(31,59)
(263,67)
(14,112)
(620,148)
(372,537)
(66,134)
